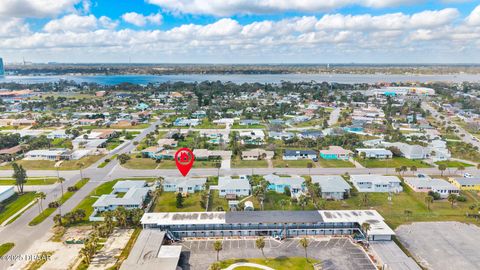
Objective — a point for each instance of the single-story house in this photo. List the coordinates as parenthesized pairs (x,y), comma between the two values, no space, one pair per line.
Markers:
(376,183)
(310,134)
(249,122)
(256,154)
(184,122)
(466,183)
(299,154)
(49,154)
(227,186)
(134,197)
(335,152)
(59,134)
(279,183)
(379,153)
(6,192)
(206,154)
(167,142)
(10,153)
(426,184)
(410,151)
(183,184)
(252,137)
(199,114)
(333,187)
(281,135)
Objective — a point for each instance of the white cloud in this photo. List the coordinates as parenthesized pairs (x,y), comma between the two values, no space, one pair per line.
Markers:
(77,23)
(231,7)
(35,8)
(142,20)
(10,28)
(474,17)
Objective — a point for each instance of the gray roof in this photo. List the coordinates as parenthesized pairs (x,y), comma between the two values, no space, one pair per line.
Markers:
(293,181)
(468,181)
(429,183)
(331,183)
(134,196)
(129,184)
(183,181)
(299,152)
(273,217)
(226,182)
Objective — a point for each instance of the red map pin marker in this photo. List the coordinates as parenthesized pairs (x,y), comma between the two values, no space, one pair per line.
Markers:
(184,159)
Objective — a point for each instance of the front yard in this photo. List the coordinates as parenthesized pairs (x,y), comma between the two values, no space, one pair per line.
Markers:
(453,164)
(280,163)
(15,204)
(239,163)
(393,163)
(332,163)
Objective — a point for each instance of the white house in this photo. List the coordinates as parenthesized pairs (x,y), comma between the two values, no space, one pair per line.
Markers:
(410,151)
(278,184)
(426,184)
(333,187)
(183,184)
(229,186)
(6,192)
(376,183)
(49,154)
(135,194)
(256,154)
(380,153)
(59,134)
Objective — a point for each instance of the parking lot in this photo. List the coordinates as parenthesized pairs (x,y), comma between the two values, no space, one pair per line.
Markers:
(335,253)
(442,245)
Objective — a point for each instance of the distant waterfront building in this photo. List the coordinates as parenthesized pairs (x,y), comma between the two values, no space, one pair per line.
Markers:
(2,69)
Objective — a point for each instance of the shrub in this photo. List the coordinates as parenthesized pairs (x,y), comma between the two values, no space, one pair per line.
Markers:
(53,204)
(435,195)
(461,198)
(72,189)
(107,160)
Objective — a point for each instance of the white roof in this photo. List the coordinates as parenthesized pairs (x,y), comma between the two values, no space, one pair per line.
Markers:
(46,152)
(129,184)
(134,196)
(331,183)
(5,189)
(226,182)
(184,181)
(179,218)
(294,180)
(372,217)
(429,183)
(374,178)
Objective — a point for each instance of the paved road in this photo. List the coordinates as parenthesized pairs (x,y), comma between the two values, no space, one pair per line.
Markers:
(467,137)
(334,115)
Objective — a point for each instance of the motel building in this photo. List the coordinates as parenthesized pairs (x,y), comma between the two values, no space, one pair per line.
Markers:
(178,225)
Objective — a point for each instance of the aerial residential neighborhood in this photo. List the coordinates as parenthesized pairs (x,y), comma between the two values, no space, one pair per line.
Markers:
(224,135)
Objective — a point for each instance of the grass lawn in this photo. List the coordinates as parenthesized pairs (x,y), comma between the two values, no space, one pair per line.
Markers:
(216,203)
(15,204)
(198,164)
(453,164)
(310,123)
(4,248)
(393,163)
(239,163)
(31,181)
(113,144)
(37,264)
(332,163)
(273,202)
(280,163)
(167,202)
(140,163)
(463,150)
(87,202)
(256,126)
(209,125)
(281,263)
(66,195)
(394,211)
(50,165)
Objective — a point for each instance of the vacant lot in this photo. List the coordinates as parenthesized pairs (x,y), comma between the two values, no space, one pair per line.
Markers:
(453,164)
(395,162)
(442,245)
(331,163)
(167,202)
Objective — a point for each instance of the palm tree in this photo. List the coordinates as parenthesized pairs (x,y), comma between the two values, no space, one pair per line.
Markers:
(215,266)
(217,246)
(304,243)
(40,197)
(452,198)
(365,229)
(442,168)
(283,203)
(428,201)
(365,198)
(57,219)
(461,168)
(120,215)
(80,166)
(413,169)
(303,201)
(61,180)
(260,244)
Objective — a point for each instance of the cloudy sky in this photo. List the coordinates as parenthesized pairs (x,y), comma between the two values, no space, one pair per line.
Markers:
(241,31)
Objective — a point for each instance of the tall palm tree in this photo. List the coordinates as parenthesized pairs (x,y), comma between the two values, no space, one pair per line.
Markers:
(452,198)
(40,197)
(428,201)
(217,246)
(304,243)
(260,244)
(366,229)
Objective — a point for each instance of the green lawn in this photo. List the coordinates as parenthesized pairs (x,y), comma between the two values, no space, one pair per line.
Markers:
(310,123)
(463,150)
(87,202)
(66,195)
(15,204)
(4,248)
(239,163)
(140,163)
(332,163)
(273,202)
(167,202)
(453,164)
(31,181)
(393,163)
(216,203)
(393,211)
(280,163)
(50,165)
(256,126)
(280,263)
(209,125)
(113,144)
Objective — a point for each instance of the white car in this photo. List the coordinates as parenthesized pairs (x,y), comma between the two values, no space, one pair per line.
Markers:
(467,175)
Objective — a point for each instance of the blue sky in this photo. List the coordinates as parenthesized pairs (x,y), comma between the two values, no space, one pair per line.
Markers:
(241,31)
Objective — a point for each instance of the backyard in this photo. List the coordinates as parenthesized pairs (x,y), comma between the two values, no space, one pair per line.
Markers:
(167,202)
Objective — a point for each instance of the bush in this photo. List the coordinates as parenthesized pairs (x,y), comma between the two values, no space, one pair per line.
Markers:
(72,189)
(107,160)
(53,204)
(461,198)
(435,195)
